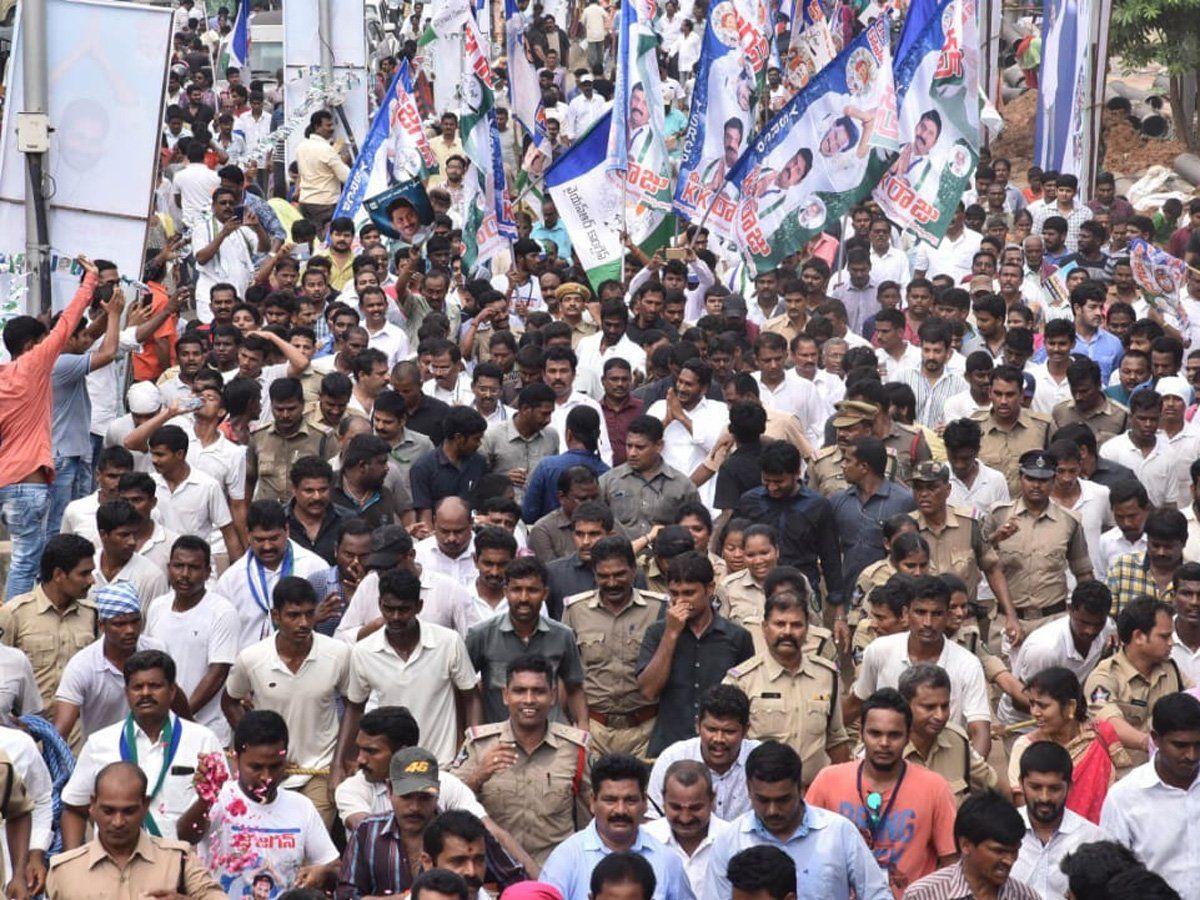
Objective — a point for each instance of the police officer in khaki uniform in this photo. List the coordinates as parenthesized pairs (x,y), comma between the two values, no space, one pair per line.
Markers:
(609,623)
(1037,542)
(852,419)
(955,540)
(741,597)
(644,491)
(794,696)
(1088,404)
(53,622)
(1008,429)
(123,862)
(935,743)
(273,447)
(1122,689)
(532,776)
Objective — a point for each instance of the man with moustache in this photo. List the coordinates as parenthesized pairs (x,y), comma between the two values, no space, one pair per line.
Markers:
(688,825)
(1054,831)
(904,812)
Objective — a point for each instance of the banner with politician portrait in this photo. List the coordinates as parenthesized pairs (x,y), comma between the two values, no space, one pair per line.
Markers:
(937,78)
(819,156)
(730,78)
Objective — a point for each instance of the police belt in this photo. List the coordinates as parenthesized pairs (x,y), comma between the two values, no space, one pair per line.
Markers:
(624,720)
(1041,612)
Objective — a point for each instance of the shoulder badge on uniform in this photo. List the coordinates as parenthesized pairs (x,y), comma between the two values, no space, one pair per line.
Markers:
(570,733)
(256,429)
(823,662)
(653,595)
(745,668)
(825,452)
(478,732)
(67,856)
(582,595)
(1100,695)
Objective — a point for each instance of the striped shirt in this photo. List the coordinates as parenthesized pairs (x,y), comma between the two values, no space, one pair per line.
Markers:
(374,862)
(950,883)
(931,398)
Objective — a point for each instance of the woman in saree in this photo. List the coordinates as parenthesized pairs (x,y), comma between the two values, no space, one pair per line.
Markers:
(1061,713)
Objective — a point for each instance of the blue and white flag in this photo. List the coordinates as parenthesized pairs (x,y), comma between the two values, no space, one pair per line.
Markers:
(396,131)
(730,81)
(588,205)
(1156,271)
(819,156)
(937,81)
(239,41)
(524,94)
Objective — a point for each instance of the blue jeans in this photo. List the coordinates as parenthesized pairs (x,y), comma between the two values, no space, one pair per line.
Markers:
(24,508)
(72,476)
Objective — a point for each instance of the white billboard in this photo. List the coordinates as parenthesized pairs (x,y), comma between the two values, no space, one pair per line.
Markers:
(107,66)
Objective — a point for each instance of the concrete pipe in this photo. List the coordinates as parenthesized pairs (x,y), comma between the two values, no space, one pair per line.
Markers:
(1119,104)
(1009,94)
(1188,166)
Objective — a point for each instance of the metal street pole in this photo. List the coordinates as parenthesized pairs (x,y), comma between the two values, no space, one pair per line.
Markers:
(33,139)
(325,38)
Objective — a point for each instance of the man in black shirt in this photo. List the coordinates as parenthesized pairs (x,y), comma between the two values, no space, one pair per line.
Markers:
(425,413)
(742,470)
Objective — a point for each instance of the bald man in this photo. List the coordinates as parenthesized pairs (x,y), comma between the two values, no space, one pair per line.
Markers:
(122,860)
(450,550)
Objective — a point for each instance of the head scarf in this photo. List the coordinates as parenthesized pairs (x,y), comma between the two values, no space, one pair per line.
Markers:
(117,599)
(532,890)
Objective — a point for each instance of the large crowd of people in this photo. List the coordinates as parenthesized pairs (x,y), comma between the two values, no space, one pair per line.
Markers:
(339,570)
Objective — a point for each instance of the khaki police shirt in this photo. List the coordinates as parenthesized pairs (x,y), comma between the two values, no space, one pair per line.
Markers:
(910,446)
(802,708)
(33,625)
(157,864)
(952,756)
(1116,690)
(641,500)
(873,576)
(609,644)
(1001,448)
(1107,420)
(957,547)
(270,456)
(740,599)
(544,798)
(15,800)
(1035,559)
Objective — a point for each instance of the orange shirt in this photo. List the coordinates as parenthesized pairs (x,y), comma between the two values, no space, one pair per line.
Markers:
(918,828)
(146,366)
(25,396)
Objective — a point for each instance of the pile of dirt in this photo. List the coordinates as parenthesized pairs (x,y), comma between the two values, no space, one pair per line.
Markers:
(1127,153)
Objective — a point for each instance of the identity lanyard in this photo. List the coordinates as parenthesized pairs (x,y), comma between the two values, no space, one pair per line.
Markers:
(262,599)
(877,813)
(171,734)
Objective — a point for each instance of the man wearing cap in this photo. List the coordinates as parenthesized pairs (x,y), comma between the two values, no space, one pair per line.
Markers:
(91,682)
(1008,429)
(853,419)
(1037,542)
(572,299)
(582,111)
(384,852)
(956,542)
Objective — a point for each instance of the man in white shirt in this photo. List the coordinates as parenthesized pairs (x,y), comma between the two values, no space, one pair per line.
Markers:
(888,263)
(450,549)
(894,353)
(953,255)
(586,107)
(91,690)
(784,390)
(1185,641)
(391,340)
(973,485)
(250,582)
(721,746)
(225,247)
(163,745)
(688,825)
(301,675)
(610,342)
(934,383)
(254,124)
(1088,501)
(688,49)
(28,763)
(887,657)
(561,366)
(194,185)
(200,627)
(1054,831)
(692,424)
(117,558)
(414,664)
(1151,810)
(188,501)
(1144,449)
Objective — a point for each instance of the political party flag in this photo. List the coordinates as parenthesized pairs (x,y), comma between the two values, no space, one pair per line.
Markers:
(1055,284)
(395,148)
(637,147)
(813,45)
(239,42)
(441,51)
(1155,270)
(588,204)
(524,94)
(816,158)
(729,86)
(938,88)
(488,220)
